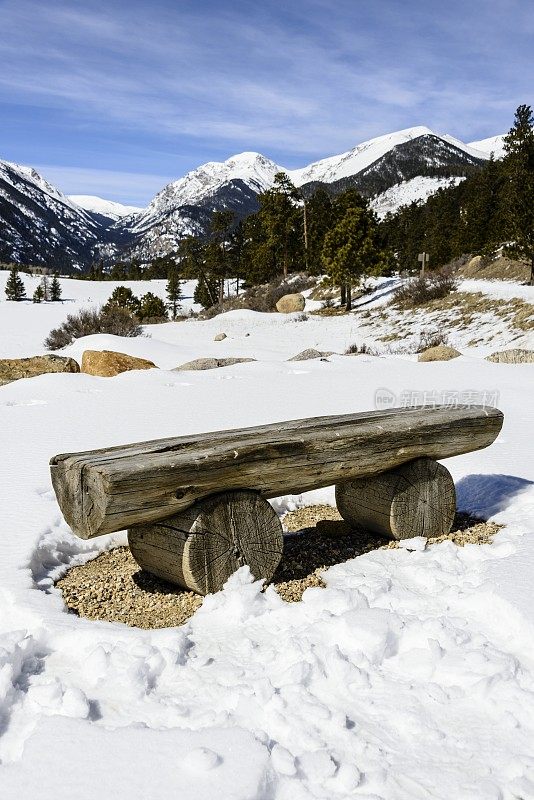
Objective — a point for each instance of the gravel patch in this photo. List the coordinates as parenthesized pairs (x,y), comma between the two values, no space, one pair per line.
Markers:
(112,587)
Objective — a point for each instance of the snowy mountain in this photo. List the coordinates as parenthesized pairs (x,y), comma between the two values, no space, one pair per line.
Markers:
(43,225)
(494,144)
(39,224)
(184,207)
(103,208)
(403,194)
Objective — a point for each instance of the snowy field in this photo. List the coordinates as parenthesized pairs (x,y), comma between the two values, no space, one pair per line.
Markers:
(411,676)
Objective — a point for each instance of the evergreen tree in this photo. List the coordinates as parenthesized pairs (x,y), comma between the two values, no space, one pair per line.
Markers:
(38,294)
(174,291)
(123,297)
(55,289)
(351,249)
(206,290)
(221,224)
(282,222)
(151,307)
(14,286)
(319,218)
(519,165)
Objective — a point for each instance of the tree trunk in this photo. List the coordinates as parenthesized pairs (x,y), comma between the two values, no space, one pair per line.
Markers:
(343,298)
(532,271)
(348,304)
(221,290)
(306,265)
(201,547)
(415,499)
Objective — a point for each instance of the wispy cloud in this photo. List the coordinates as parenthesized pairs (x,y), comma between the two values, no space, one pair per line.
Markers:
(130,188)
(165,84)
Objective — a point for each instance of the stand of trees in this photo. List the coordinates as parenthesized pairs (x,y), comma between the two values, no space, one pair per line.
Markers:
(487,209)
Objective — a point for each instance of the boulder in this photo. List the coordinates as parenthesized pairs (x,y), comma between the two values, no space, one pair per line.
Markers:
(475,264)
(107,363)
(12,369)
(516,356)
(440,353)
(211,363)
(219,337)
(306,355)
(290,302)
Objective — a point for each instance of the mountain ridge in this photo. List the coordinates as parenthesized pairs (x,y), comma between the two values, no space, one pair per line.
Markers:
(41,223)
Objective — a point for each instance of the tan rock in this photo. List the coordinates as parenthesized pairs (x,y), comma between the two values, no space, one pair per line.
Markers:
(474,264)
(211,363)
(440,353)
(514,356)
(306,355)
(219,337)
(290,302)
(12,369)
(107,363)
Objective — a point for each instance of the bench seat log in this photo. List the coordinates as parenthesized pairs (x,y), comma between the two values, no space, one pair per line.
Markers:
(200,548)
(107,490)
(415,499)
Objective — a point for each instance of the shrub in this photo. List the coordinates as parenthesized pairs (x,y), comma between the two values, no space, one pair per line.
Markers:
(359,350)
(152,309)
(420,290)
(429,339)
(110,319)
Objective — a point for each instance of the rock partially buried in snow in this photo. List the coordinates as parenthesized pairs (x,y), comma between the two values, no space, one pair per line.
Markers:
(219,337)
(306,355)
(211,363)
(201,759)
(108,363)
(13,369)
(290,302)
(516,356)
(440,353)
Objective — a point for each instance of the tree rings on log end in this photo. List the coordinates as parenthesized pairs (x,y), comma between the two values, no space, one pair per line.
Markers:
(415,499)
(200,548)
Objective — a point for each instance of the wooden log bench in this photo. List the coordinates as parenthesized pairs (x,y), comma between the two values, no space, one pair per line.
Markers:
(196,506)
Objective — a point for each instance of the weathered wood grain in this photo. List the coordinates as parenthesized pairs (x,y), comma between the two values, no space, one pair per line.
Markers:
(415,499)
(200,548)
(101,491)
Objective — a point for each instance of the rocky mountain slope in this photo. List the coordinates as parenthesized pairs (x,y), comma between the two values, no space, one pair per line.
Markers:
(41,225)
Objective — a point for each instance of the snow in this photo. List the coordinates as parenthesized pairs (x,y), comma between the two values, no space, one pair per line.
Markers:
(108,208)
(410,676)
(414,190)
(493,144)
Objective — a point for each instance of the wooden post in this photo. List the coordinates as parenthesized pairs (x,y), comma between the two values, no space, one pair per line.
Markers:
(423,258)
(415,499)
(201,547)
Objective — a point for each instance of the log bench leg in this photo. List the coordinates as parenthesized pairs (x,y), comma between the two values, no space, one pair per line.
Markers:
(200,547)
(415,499)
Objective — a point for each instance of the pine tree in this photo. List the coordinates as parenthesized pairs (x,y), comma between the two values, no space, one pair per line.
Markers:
(519,165)
(14,286)
(174,291)
(352,250)
(151,307)
(38,294)
(123,297)
(55,289)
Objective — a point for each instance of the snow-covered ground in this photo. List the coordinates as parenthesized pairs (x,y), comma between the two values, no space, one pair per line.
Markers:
(411,676)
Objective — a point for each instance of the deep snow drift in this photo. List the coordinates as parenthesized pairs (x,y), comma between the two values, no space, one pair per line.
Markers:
(410,676)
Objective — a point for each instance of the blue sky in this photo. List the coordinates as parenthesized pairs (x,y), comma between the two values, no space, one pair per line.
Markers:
(118,98)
